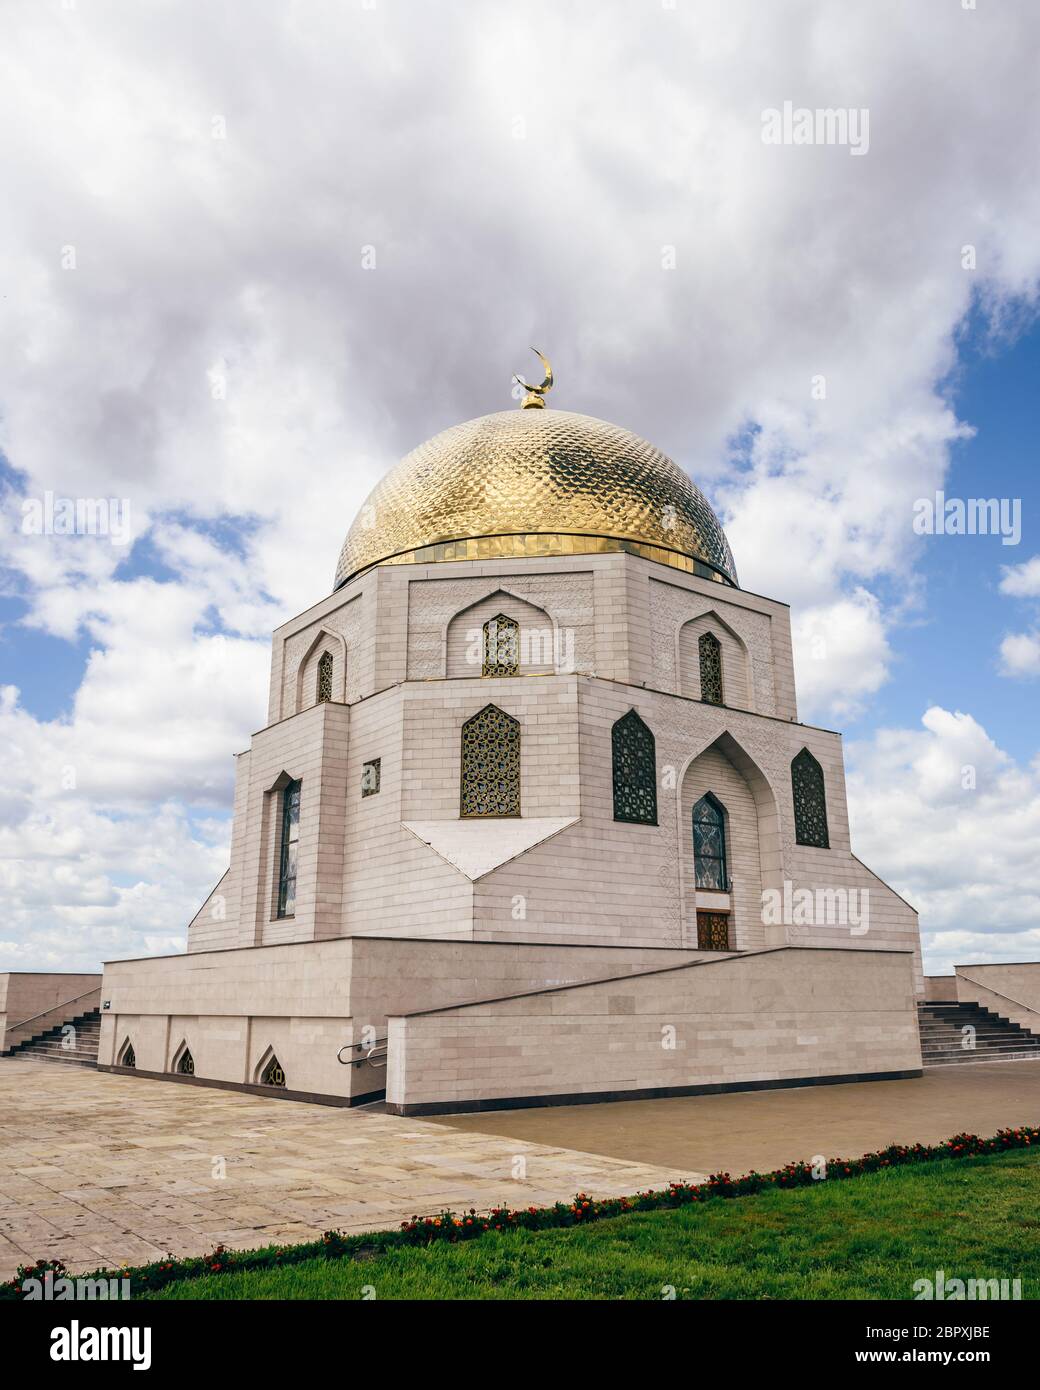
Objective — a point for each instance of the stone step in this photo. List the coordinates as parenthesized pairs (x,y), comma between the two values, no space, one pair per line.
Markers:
(981,1039)
(950,1011)
(987,1051)
(52,1060)
(967,1021)
(61,1054)
(997,1039)
(51,1046)
(956,1040)
(980,1028)
(56,1041)
(968,1058)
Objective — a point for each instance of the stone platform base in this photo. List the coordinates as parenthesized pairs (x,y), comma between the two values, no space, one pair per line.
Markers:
(454,1026)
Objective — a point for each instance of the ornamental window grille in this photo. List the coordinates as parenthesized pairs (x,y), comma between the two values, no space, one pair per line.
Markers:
(490,764)
(710,652)
(272,1074)
(713,931)
(635,770)
(186,1065)
(709,844)
(501,647)
(325,677)
(810,801)
(370,777)
(289,850)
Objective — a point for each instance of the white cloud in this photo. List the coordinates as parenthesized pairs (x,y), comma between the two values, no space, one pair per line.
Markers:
(1022,581)
(83,887)
(112,829)
(220,358)
(952,822)
(841,654)
(1020,651)
(1020,654)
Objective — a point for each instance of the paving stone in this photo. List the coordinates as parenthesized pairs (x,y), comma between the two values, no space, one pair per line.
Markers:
(106,1177)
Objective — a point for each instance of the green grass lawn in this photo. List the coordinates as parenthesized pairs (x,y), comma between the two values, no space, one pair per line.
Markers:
(868,1237)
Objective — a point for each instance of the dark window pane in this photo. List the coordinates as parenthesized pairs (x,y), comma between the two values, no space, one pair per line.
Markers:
(634,771)
(490,764)
(325,677)
(501,647)
(810,802)
(273,1074)
(290,845)
(710,653)
(709,845)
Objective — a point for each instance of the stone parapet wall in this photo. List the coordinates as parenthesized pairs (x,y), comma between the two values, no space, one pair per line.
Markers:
(776,1017)
(1011,990)
(306,1001)
(230,1008)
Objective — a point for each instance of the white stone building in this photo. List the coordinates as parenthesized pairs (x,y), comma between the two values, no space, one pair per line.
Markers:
(533,817)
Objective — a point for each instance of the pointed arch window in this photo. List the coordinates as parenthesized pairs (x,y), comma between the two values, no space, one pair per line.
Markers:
(129,1057)
(289,850)
(501,647)
(272,1074)
(490,764)
(325,677)
(709,650)
(810,801)
(186,1064)
(709,844)
(634,759)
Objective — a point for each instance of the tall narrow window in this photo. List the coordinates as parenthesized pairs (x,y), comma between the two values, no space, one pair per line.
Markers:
(709,844)
(635,770)
(325,677)
(186,1065)
(501,647)
(810,801)
(710,652)
(289,848)
(490,764)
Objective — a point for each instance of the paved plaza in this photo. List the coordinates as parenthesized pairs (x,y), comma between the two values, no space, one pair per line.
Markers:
(739,1131)
(97,1169)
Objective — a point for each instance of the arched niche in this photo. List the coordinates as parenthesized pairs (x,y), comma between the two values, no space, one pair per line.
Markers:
(463,636)
(725,770)
(737,681)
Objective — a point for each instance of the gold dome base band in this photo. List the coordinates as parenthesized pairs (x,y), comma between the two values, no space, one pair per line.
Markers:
(543,543)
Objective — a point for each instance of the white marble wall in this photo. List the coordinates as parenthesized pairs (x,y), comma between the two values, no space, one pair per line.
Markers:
(634,627)
(777,1016)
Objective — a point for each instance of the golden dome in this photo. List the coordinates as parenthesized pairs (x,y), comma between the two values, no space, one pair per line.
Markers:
(536,482)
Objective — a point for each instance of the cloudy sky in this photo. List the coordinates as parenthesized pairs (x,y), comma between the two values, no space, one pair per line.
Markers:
(250,255)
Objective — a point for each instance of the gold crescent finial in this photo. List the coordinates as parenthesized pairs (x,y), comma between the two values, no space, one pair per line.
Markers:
(535,398)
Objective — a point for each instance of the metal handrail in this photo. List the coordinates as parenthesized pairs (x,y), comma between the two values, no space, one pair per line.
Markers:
(44,1012)
(376,1053)
(1030,1008)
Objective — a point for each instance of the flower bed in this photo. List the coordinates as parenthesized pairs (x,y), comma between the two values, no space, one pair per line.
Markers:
(449,1226)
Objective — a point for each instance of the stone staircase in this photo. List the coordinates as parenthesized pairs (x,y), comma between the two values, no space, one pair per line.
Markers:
(997,1039)
(50,1046)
